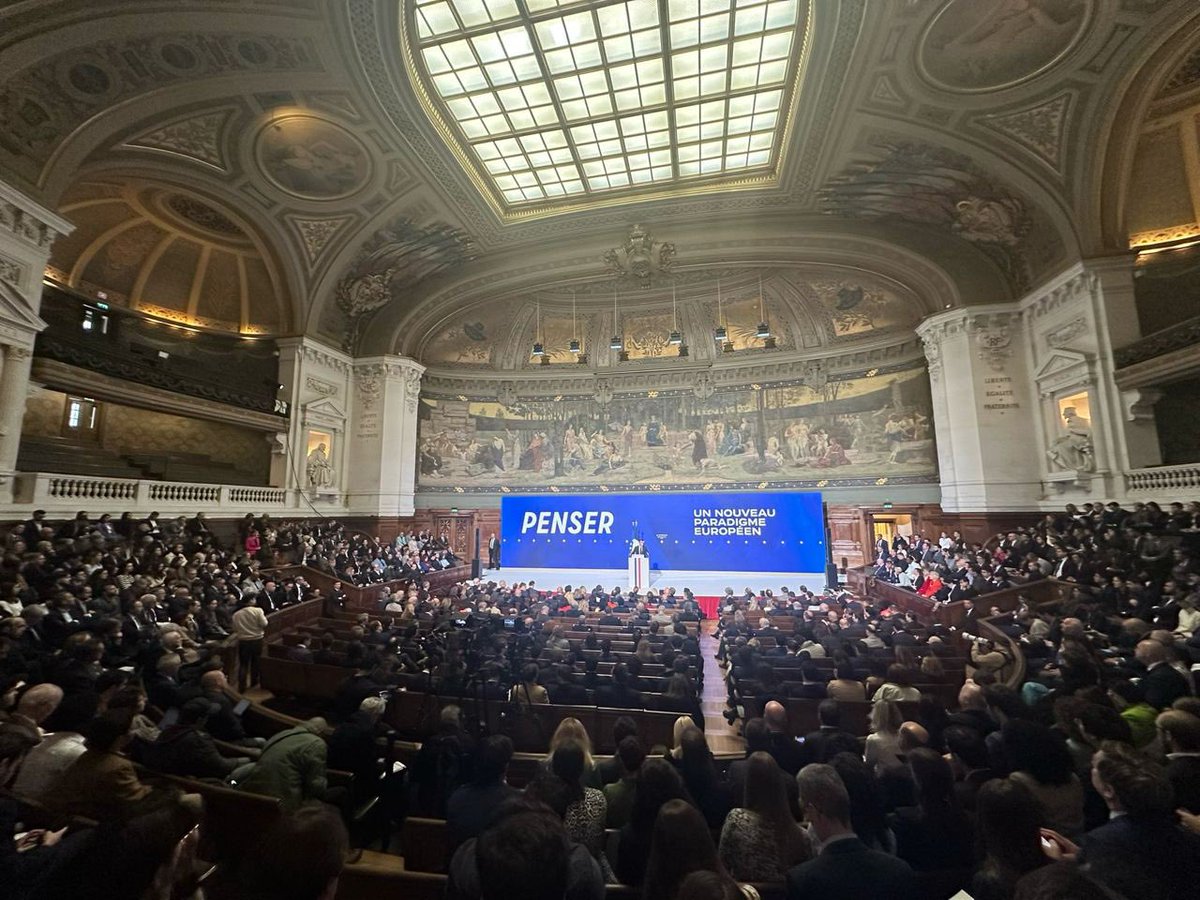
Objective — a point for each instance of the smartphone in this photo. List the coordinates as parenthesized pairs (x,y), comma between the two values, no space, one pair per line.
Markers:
(241,707)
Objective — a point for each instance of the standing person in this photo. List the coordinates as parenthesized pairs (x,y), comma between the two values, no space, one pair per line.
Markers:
(845,868)
(250,628)
(493,552)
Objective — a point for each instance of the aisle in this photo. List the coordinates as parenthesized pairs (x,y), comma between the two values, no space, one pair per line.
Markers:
(722,737)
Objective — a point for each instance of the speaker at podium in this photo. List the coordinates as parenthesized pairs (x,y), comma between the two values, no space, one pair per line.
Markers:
(639,565)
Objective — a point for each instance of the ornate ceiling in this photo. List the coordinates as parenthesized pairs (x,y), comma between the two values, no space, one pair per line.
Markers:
(941,151)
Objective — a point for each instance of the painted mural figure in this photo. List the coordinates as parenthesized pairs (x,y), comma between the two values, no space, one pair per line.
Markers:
(699,450)
(318,469)
(655,436)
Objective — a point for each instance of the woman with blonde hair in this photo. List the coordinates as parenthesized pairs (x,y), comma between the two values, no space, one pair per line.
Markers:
(883,743)
(644,651)
(761,840)
(682,725)
(571,729)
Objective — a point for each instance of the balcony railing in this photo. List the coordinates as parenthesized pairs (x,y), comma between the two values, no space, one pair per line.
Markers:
(67,493)
(1177,337)
(1182,482)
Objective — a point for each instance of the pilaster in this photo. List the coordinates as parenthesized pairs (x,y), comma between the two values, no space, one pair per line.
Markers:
(383,441)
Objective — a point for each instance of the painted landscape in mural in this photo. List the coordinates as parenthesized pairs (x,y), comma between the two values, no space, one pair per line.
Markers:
(828,430)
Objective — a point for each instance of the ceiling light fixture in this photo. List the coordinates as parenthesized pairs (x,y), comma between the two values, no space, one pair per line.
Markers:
(574,346)
(676,338)
(616,343)
(764,327)
(720,334)
(538,348)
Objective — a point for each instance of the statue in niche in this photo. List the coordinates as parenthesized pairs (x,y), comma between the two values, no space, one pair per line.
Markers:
(1073,450)
(318,468)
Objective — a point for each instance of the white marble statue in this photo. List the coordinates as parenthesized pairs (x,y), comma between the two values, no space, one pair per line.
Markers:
(318,468)
(1073,450)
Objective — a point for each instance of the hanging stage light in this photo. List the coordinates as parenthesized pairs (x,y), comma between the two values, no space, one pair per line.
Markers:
(720,334)
(676,338)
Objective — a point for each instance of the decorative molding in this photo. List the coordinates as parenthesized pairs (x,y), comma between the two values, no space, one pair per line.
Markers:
(196,138)
(1081,284)
(1064,369)
(1064,334)
(316,235)
(28,227)
(1138,404)
(695,380)
(1040,129)
(324,388)
(11,272)
(933,358)
(995,345)
(369,390)
(326,358)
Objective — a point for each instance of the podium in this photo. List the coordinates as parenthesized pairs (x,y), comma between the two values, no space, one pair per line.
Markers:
(639,573)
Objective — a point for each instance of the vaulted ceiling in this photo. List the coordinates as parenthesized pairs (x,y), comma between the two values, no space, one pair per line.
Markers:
(922,153)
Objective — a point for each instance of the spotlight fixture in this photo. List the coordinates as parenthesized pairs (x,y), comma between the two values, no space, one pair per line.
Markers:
(763,332)
(683,349)
(616,343)
(538,348)
(574,346)
(720,334)
(676,338)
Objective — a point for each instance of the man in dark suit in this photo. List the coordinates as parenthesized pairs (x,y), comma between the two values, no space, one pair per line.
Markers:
(1141,852)
(493,552)
(1161,683)
(781,744)
(844,866)
(829,740)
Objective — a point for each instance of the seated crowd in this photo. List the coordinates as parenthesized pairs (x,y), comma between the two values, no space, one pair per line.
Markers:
(1065,764)
(105,625)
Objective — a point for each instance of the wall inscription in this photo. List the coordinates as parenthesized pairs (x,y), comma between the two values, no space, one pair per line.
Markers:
(999,394)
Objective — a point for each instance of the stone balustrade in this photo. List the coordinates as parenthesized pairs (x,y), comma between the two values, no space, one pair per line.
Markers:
(1180,482)
(63,495)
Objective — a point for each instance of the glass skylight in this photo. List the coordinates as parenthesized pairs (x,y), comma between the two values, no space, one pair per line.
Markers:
(569,98)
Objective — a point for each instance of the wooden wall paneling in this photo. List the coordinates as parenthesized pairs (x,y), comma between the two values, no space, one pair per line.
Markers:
(847,535)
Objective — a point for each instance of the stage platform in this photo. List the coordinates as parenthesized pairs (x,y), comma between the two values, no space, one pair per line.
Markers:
(707,586)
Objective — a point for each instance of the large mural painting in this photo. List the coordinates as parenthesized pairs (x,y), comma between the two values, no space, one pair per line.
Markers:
(867,428)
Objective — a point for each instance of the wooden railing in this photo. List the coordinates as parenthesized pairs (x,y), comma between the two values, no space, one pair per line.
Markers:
(367,598)
(863,582)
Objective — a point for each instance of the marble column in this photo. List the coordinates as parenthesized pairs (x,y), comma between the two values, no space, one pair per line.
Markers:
(383,436)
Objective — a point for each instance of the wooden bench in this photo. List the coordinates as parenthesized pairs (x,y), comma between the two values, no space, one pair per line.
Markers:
(426,845)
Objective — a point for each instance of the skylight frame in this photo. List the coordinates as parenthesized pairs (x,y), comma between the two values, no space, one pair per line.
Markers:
(561,103)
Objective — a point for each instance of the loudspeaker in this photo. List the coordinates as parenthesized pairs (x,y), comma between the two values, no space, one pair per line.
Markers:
(476,565)
(831,576)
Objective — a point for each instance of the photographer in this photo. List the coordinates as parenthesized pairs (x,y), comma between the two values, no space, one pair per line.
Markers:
(986,659)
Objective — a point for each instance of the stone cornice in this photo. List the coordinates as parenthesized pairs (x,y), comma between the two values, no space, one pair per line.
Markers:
(1079,282)
(321,354)
(29,220)
(969,320)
